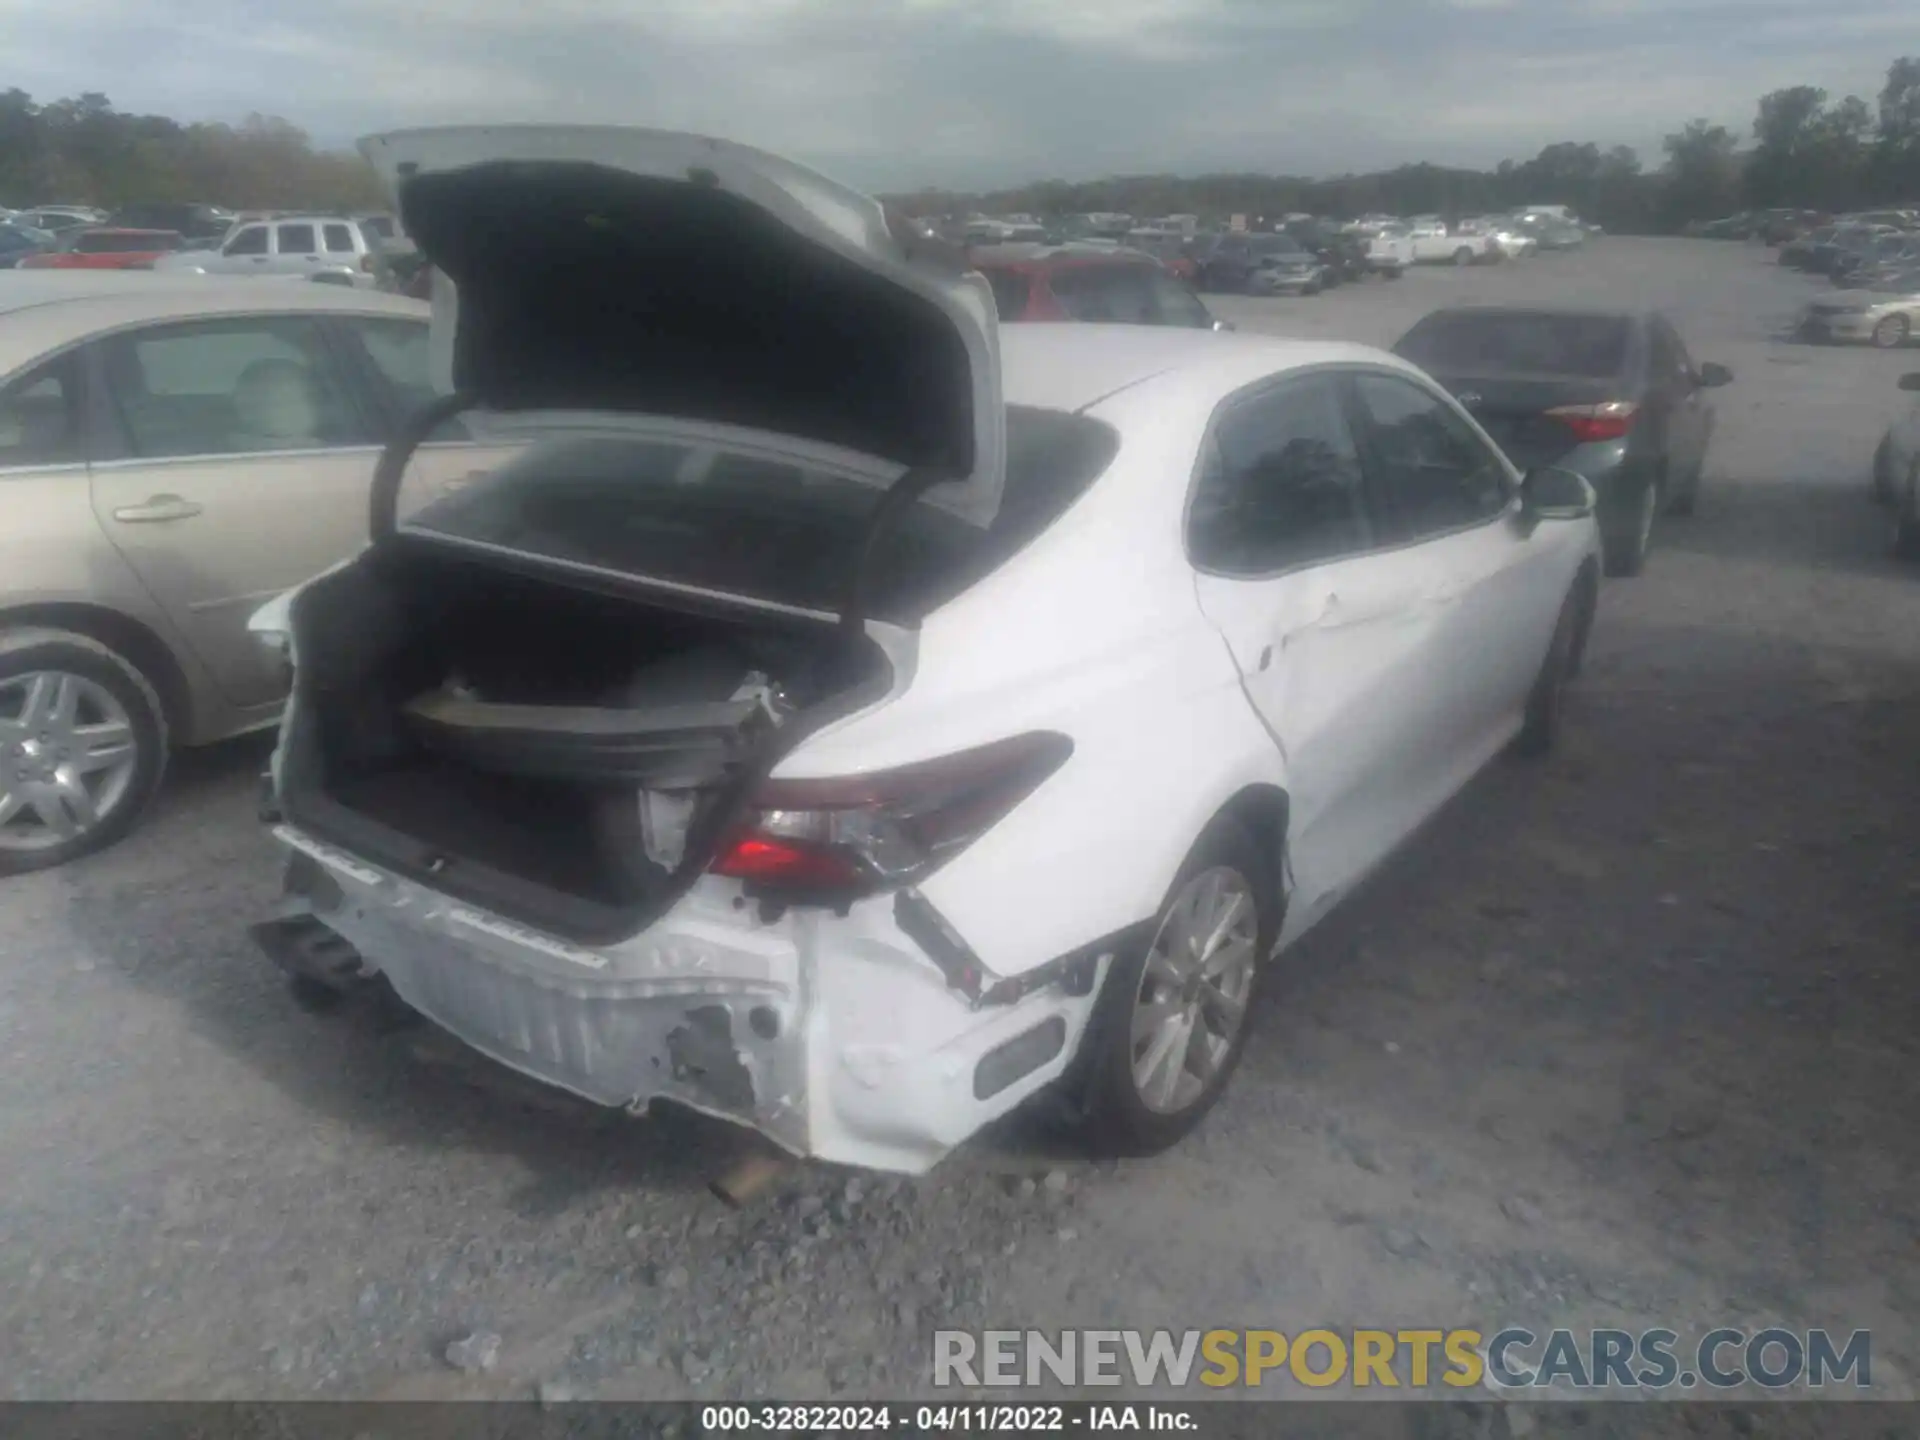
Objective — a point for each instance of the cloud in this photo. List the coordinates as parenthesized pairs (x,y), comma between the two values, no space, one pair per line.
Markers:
(964,92)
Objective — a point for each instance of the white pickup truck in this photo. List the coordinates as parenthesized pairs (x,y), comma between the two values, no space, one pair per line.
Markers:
(1389,249)
(1436,245)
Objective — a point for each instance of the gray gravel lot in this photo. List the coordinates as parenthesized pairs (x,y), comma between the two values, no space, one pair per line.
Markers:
(1629,1038)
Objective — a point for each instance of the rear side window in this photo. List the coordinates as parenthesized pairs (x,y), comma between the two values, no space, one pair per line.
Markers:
(250,241)
(245,385)
(40,417)
(339,240)
(1431,472)
(1279,484)
(1515,342)
(297,240)
(398,352)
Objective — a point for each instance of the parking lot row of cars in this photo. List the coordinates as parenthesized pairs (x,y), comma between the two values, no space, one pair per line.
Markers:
(725,749)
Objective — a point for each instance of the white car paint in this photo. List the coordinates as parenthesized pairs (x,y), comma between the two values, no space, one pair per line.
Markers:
(1367,688)
(1433,246)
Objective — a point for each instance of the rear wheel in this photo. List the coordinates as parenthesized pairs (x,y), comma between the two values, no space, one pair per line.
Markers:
(1892,332)
(1626,549)
(1542,728)
(83,744)
(1171,1022)
(1906,519)
(1463,256)
(1883,471)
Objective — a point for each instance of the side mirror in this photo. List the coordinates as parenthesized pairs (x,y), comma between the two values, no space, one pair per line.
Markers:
(1553,493)
(1911,380)
(1712,376)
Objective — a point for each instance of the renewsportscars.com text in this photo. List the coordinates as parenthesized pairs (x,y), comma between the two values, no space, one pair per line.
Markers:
(1317,1359)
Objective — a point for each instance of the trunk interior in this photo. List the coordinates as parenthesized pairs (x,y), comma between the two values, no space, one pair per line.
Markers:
(560,748)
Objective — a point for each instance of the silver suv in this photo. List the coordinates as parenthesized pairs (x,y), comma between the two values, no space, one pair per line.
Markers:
(310,245)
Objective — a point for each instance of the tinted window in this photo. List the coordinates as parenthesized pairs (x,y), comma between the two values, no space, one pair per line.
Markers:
(1178,305)
(229,387)
(250,241)
(378,225)
(297,240)
(40,417)
(756,525)
(1430,471)
(1667,357)
(1126,295)
(1010,291)
(397,350)
(1514,342)
(1279,485)
(339,239)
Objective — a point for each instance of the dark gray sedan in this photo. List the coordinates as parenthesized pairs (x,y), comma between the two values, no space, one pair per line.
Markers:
(1610,394)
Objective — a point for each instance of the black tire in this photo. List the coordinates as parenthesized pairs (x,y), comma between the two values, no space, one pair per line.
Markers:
(1114,1117)
(1892,332)
(1883,471)
(1541,732)
(1463,256)
(1392,272)
(1625,550)
(27,650)
(1906,520)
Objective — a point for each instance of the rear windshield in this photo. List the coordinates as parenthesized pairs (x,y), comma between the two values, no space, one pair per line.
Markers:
(766,527)
(1518,343)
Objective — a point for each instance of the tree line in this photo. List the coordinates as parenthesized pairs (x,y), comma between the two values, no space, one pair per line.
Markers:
(84,152)
(1807,151)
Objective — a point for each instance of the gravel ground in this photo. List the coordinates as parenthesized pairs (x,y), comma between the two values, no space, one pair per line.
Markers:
(1624,1039)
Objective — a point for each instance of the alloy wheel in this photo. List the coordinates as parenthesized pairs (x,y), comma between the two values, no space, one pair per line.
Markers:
(1891,332)
(67,758)
(1194,989)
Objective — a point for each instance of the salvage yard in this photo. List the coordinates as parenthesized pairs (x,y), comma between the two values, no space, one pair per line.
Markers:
(1628,1038)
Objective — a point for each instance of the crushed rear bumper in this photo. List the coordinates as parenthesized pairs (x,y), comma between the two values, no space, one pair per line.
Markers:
(838,1037)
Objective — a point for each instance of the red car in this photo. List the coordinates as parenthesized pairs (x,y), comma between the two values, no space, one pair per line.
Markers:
(103,249)
(1100,284)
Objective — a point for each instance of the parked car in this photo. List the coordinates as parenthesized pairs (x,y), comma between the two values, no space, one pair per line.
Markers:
(1172,250)
(1389,249)
(1896,474)
(1092,284)
(1782,227)
(1609,394)
(58,219)
(106,249)
(959,809)
(1557,235)
(1229,261)
(1450,247)
(1798,253)
(18,241)
(1886,313)
(198,223)
(1731,227)
(1841,247)
(1342,256)
(1289,270)
(1891,252)
(170,451)
(303,245)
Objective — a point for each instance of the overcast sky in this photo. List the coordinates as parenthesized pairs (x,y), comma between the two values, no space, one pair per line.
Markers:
(891,93)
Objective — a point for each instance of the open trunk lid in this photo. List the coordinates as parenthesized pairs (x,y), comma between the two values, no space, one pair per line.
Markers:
(638,273)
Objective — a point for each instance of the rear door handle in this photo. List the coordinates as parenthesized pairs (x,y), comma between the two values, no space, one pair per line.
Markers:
(156,510)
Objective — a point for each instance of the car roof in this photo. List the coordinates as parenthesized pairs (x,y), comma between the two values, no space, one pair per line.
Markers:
(1033,253)
(1073,367)
(45,310)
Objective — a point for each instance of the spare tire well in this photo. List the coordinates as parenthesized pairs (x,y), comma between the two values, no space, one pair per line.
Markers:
(138,645)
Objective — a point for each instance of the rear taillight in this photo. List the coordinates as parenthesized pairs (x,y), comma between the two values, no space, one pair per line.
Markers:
(859,833)
(1609,420)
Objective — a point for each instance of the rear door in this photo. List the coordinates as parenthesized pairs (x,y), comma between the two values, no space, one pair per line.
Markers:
(1329,633)
(1447,503)
(240,466)
(296,247)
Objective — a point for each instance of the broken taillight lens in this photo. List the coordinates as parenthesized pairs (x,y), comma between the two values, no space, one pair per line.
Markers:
(887,828)
(1609,420)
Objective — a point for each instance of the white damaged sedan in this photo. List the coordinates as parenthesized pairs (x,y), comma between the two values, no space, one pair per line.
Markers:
(849,720)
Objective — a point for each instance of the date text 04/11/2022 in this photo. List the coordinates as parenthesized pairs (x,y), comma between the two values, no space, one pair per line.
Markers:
(955,1419)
